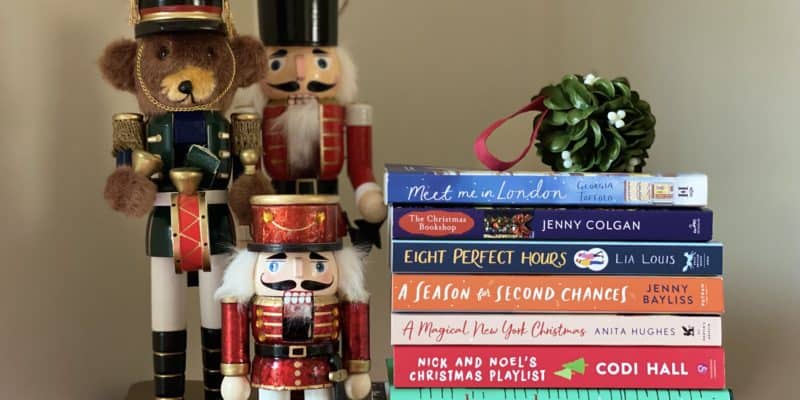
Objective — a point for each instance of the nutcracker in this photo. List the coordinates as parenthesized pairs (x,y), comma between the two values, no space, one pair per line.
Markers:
(175,162)
(301,294)
(312,125)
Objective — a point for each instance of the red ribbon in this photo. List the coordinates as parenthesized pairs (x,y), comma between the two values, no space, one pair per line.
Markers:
(482,151)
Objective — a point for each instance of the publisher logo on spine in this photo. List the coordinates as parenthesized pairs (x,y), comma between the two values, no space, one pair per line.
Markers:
(595,259)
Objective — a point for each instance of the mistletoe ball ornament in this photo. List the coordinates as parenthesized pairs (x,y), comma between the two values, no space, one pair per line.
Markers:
(593,124)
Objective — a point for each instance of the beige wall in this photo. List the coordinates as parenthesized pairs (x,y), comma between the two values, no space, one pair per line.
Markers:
(721,76)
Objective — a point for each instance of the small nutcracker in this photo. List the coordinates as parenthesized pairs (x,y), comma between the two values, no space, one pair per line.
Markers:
(311,124)
(175,162)
(301,293)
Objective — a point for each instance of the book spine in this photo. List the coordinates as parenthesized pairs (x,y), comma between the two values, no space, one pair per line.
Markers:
(559,367)
(555,293)
(554,330)
(554,394)
(679,225)
(563,258)
(548,190)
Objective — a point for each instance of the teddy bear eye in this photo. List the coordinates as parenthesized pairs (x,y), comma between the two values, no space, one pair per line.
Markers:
(163,52)
(210,52)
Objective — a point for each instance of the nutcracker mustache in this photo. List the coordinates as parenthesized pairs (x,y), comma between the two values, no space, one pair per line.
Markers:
(313,86)
(289,285)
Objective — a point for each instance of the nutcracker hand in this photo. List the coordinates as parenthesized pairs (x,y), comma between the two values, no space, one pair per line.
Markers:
(240,192)
(357,386)
(130,193)
(371,206)
(235,388)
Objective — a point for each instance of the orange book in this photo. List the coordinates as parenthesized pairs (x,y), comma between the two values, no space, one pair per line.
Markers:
(553,293)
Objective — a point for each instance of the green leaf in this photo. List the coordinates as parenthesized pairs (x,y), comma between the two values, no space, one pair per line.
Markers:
(577,94)
(557,118)
(578,130)
(624,88)
(598,133)
(636,132)
(609,154)
(605,87)
(555,98)
(576,115)
(559,143)
(580,144)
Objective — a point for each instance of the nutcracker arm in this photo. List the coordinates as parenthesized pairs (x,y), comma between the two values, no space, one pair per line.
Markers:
(235,339)
(246,130)
(127,136)
(359,146)
(355,337)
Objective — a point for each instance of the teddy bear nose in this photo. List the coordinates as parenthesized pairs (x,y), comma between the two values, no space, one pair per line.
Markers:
(185,87)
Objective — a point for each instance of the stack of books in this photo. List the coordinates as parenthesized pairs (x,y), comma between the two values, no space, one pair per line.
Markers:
(553,286)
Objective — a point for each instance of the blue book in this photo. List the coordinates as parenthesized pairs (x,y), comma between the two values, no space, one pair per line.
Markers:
(426,185)
(563,258)
(523,223)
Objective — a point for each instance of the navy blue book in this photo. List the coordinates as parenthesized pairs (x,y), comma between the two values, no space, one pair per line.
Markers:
(507,223)
(426,185)
(563,258)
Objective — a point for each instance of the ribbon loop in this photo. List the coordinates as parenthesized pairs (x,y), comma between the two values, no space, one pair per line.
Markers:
(482,151)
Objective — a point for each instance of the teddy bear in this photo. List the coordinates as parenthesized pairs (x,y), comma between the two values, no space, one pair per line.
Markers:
(175,161)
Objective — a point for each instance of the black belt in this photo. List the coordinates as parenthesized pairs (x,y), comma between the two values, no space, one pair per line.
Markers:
(306,186)
(298,351)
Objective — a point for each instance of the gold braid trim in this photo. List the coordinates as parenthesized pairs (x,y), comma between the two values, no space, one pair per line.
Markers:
(203,107)
(246,132)
(127,133)
(134,16)
(227,16)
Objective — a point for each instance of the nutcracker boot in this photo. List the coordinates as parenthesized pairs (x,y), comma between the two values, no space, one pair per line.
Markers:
(169,364)
(168,294)
(211,327)
(211,340)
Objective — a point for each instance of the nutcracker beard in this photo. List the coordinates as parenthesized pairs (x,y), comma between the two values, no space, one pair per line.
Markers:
(300,126)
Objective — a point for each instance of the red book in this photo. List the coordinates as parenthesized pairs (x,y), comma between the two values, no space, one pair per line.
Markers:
(559,367)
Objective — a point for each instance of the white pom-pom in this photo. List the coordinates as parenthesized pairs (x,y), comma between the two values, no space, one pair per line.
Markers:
(619,123)
(565,155)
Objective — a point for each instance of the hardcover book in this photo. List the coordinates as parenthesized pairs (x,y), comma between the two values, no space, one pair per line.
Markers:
(559,367)
(554,394)
(555,293)
(519,223)
(425,185)
(554,330)
(555,257)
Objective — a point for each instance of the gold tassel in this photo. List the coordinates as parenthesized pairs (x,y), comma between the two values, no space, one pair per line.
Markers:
(227,16)
(134,16)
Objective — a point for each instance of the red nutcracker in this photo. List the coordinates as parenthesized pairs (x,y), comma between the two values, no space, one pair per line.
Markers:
(301,294)
(311,125)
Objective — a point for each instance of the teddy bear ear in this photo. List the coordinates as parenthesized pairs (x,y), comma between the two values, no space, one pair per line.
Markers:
(118,63)
(251,60)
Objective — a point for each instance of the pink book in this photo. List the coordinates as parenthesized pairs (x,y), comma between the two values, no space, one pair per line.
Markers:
(559,367)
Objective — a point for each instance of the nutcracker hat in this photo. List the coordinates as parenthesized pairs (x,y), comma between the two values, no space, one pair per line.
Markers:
(299,22)
(294,223)
(170,16)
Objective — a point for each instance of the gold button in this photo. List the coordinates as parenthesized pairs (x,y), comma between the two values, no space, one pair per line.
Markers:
(335,335)
(297,373)
(335,323)
(335,312)
(298,364)
(262,337)
(259,323)
(259,312)
(298,382)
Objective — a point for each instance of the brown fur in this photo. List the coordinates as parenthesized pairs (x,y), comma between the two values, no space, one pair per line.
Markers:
(169,54)
(241,191)
(130,193)
(117,64)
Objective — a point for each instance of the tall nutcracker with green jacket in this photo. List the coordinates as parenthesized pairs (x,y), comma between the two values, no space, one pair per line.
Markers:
(176,159)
